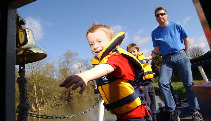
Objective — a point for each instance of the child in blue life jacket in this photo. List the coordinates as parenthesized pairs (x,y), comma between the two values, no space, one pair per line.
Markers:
(112,72)
(147,87)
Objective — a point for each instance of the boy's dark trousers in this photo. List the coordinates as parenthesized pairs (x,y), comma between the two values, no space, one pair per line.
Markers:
(149,93)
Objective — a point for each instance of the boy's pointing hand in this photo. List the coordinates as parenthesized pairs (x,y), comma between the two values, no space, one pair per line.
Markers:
(76,80)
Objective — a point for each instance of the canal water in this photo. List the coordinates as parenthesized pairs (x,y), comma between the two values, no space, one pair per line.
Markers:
(80,106)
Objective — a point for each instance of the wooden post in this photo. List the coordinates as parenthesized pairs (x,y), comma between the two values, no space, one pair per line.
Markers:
(8,15)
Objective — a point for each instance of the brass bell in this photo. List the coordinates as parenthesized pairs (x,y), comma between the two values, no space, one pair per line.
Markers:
(27,51)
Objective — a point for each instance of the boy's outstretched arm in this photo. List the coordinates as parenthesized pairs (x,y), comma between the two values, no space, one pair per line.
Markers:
(82,79)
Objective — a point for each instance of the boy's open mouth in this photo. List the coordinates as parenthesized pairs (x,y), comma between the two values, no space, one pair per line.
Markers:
(98,52)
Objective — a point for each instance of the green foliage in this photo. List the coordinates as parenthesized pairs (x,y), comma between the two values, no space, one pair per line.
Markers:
(178,88)
(156,62)
(155,80)
(16,87)
(43,89)
(44,79)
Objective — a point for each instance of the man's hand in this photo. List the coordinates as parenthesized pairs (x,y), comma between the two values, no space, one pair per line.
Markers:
(154,53)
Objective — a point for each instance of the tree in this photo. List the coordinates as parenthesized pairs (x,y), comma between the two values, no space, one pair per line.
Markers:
(44,78)
(70,64)
(156,63)
(66,62)
(81,65)
(43,89)
(195,52)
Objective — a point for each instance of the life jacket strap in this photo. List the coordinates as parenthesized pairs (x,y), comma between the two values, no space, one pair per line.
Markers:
(138,80)
(148,72)
(105,80)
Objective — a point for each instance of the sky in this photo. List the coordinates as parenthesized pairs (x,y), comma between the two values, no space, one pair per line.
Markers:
(61,25)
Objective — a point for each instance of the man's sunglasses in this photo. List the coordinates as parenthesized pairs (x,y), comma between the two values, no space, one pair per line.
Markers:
(162,14)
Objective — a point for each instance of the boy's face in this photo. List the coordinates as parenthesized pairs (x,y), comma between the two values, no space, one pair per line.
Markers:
(133,51)
(97,41)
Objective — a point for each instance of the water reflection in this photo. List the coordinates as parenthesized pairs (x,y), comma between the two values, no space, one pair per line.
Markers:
(79,106)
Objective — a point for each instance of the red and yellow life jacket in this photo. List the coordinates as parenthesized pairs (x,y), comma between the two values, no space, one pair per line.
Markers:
(148,73)
(119,95)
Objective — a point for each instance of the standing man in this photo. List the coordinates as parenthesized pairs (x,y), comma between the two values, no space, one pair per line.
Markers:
(172,41)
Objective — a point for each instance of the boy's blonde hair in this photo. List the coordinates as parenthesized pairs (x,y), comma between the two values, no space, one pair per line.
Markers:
(132,45)
(109,32)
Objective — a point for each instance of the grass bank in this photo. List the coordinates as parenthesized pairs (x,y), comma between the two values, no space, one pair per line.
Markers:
(178,88)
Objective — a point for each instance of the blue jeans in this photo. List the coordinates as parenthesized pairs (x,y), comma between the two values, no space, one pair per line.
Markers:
(180,63)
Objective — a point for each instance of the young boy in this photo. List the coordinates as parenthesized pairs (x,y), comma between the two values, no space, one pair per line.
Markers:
(117,68)
(147,87)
